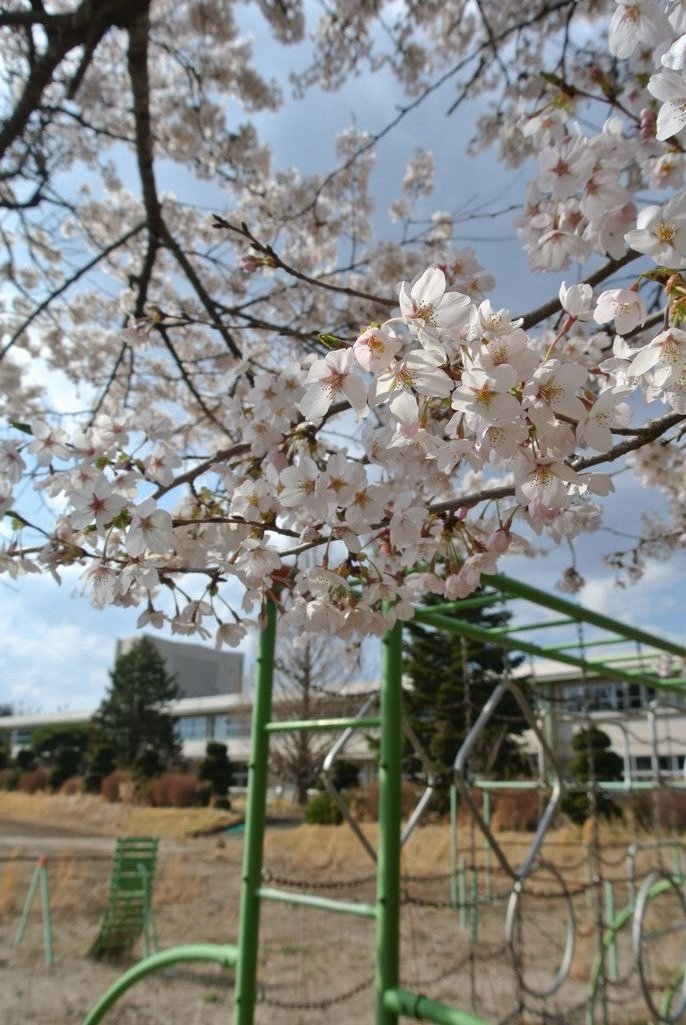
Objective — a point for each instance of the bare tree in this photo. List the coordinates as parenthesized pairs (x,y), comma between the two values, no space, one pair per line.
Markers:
(311,672)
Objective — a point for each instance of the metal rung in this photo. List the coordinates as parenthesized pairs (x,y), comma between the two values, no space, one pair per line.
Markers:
(323,725)
(343,907)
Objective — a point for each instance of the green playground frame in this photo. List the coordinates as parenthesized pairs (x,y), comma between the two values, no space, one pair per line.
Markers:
(391,1001)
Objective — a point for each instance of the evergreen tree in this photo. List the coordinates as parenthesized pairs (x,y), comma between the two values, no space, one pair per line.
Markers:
(452,677)
(101,762)
(132,719)
(593,759)
(62,749)
(216,769)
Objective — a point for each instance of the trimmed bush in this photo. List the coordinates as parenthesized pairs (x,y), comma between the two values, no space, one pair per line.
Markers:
(110,788)
(73,785)
(178,790)
(32,782)
(322,810)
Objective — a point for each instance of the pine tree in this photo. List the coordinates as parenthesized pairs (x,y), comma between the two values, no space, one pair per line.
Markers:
(132,719)
(593,760)
(216,769)
(452,677)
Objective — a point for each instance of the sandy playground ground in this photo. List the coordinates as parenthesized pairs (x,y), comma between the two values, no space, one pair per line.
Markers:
(314,966)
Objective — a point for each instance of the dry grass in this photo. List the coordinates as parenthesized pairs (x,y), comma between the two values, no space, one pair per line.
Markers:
(87,813)
(9,886)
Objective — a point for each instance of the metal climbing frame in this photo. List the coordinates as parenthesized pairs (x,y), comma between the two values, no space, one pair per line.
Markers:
(391,1000)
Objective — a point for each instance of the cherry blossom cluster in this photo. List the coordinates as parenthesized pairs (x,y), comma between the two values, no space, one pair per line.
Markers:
(345,441)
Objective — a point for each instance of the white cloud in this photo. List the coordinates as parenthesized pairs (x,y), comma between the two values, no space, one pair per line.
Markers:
(57,649)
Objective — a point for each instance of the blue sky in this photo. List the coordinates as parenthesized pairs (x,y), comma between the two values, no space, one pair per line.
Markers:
(56,649)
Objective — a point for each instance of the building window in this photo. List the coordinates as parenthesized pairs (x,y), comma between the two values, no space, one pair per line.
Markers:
(232,727)
(192,727)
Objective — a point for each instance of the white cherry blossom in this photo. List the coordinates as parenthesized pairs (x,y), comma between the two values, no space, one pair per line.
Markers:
(636,23)
(329,380)
(428,308)
(150,529)
(622,305)
(661,233)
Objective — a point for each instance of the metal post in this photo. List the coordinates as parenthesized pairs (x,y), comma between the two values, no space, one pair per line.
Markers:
(475,905)
(39,877)
(388,874)
(19,936)
(453,845)
(487,847)
(462,892)
(612,969)
(45,905)
(255,816)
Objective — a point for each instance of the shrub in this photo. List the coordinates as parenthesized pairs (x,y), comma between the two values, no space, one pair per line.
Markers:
(100,764)
(346,774)
(409,796)
(148,764)
(73,785)
(178,790)
(322,810)
(111,785)
(9,778)
(659,810)
(593,759)
(35,780)
(216,768)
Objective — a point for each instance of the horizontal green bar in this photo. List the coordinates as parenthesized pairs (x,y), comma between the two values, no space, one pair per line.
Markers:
(461,627)
(414,1005)
(343,907)
(576,645)
(507,784)
(478,602)
(539,625)
(517,589)
(639,657)
(608,784)
(322,725)
(641,784)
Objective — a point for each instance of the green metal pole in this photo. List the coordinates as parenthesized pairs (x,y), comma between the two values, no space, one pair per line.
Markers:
(588,869)
(612,966)
(27,907)
(453,845)
(487,847)
(388,868)
(518,589)
(45,904)
(462,892)
(475,906)
(255,816)
(477,633)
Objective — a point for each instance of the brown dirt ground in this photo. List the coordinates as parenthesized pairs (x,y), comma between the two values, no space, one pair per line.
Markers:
(314,966)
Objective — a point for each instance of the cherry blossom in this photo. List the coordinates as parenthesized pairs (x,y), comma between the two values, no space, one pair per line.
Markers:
(286,396)
(636,23)
(428,307)
(661,233)
(625,307)
(329,379)
(150,529)
(577,300)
